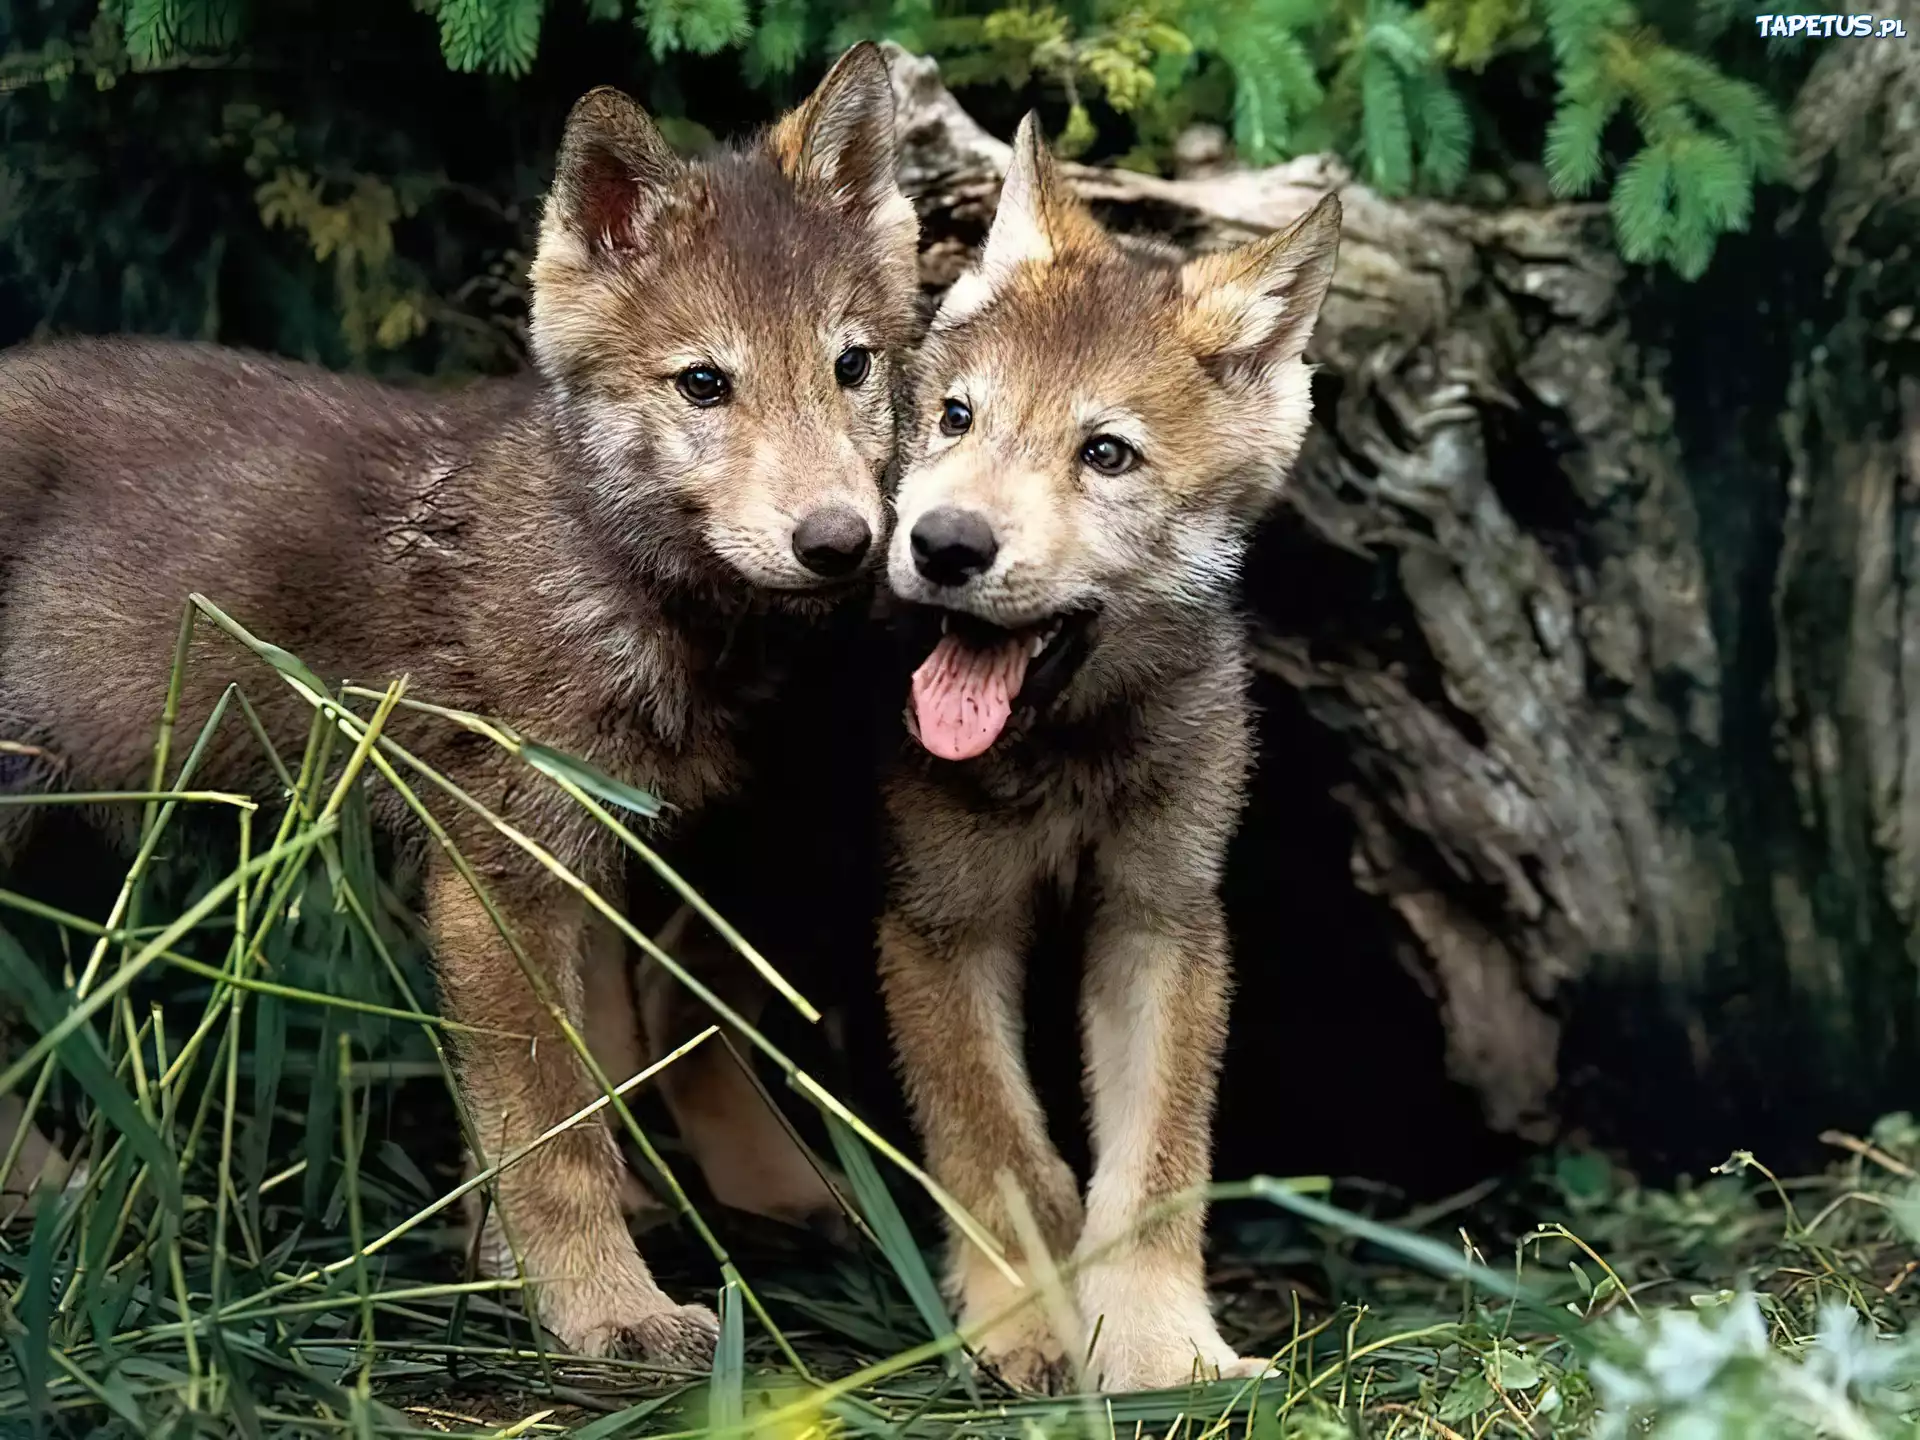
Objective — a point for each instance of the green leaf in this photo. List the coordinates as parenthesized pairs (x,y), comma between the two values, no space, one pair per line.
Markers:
(1513,1369)
(1466,1397)
(1905,1209)
(150,29)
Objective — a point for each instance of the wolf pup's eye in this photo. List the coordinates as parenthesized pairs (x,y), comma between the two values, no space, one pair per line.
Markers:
(704,385)
(955,417)
(1109,454)
(853,366)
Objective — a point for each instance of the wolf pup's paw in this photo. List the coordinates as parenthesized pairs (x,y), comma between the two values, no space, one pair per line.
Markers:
(1031,1370)
(681,1336)
(1164,1360)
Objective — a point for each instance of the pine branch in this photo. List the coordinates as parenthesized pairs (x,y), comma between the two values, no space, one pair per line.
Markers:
(778,41)
(465,30)
(1707,136)
(1385,136)
(1640,201)
(1442,132)
(516,35)
(1573,157)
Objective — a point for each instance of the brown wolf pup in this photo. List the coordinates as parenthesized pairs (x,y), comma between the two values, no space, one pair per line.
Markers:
(606,556)
(1099,428)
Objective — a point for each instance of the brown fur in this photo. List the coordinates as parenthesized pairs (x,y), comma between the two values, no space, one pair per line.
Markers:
(1126,781)
(586,554)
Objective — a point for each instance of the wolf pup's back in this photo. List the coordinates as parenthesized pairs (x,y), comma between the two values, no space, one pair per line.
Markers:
(134,472)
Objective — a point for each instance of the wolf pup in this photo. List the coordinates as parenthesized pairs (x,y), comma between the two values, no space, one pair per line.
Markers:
(1100,427)
(602,555)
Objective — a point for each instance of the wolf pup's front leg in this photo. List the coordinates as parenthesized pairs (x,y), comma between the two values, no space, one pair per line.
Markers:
(561,1205)
(951,966)
(1154,1013)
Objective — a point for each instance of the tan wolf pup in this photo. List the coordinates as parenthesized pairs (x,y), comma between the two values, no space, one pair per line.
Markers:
(605,555)
(1100,427)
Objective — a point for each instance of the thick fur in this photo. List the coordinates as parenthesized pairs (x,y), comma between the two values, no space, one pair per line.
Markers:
(1127,781)
(588,555)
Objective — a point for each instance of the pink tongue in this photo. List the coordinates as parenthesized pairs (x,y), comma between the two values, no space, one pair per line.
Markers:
(962,697)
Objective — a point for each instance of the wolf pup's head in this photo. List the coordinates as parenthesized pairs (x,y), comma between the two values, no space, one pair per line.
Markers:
(721,337)
(1099,429)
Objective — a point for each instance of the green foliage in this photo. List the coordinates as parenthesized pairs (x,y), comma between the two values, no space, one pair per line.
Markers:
(502,35)
(353,181)
(1712,1374)
(158,29)
(1411,120)
(1706,137)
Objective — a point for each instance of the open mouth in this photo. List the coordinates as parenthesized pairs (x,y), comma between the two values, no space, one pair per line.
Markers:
(978,673)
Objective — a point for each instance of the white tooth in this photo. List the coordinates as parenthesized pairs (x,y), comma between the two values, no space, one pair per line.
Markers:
(1038,644)
(945,621)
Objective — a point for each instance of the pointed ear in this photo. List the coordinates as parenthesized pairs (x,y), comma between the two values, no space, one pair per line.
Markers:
(840,143)
(613,176)
(1253,309)
(1038,218)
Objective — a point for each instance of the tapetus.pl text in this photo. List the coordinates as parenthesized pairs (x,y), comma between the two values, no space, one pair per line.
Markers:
(1831,27)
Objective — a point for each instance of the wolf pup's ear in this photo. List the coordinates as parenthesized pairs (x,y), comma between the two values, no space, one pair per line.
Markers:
(840,144)
(614,174)
(1252,309)
(1038,218)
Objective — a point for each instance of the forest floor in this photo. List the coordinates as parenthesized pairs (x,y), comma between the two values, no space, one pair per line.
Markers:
(261,1240)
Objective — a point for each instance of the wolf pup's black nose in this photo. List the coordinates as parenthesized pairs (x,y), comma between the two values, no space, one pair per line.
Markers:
(951,546)
(832,541)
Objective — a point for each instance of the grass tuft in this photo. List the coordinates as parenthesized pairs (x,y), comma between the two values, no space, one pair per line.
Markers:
(260,1233)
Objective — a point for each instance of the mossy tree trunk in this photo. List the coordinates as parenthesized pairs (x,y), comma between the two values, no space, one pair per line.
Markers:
(1595,588)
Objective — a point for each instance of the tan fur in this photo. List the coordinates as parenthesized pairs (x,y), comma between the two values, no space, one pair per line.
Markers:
(1130,778)
(749,1159)
(586,554)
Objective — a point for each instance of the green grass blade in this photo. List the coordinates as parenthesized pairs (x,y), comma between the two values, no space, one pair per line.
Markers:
(726,1392)
(287,664)
(557,766)
(896,1241)
(1422,1250)
(624,1422)
(80,1052)
(35,1307)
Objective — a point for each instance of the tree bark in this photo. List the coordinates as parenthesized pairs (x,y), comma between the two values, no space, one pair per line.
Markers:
(1616,695)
